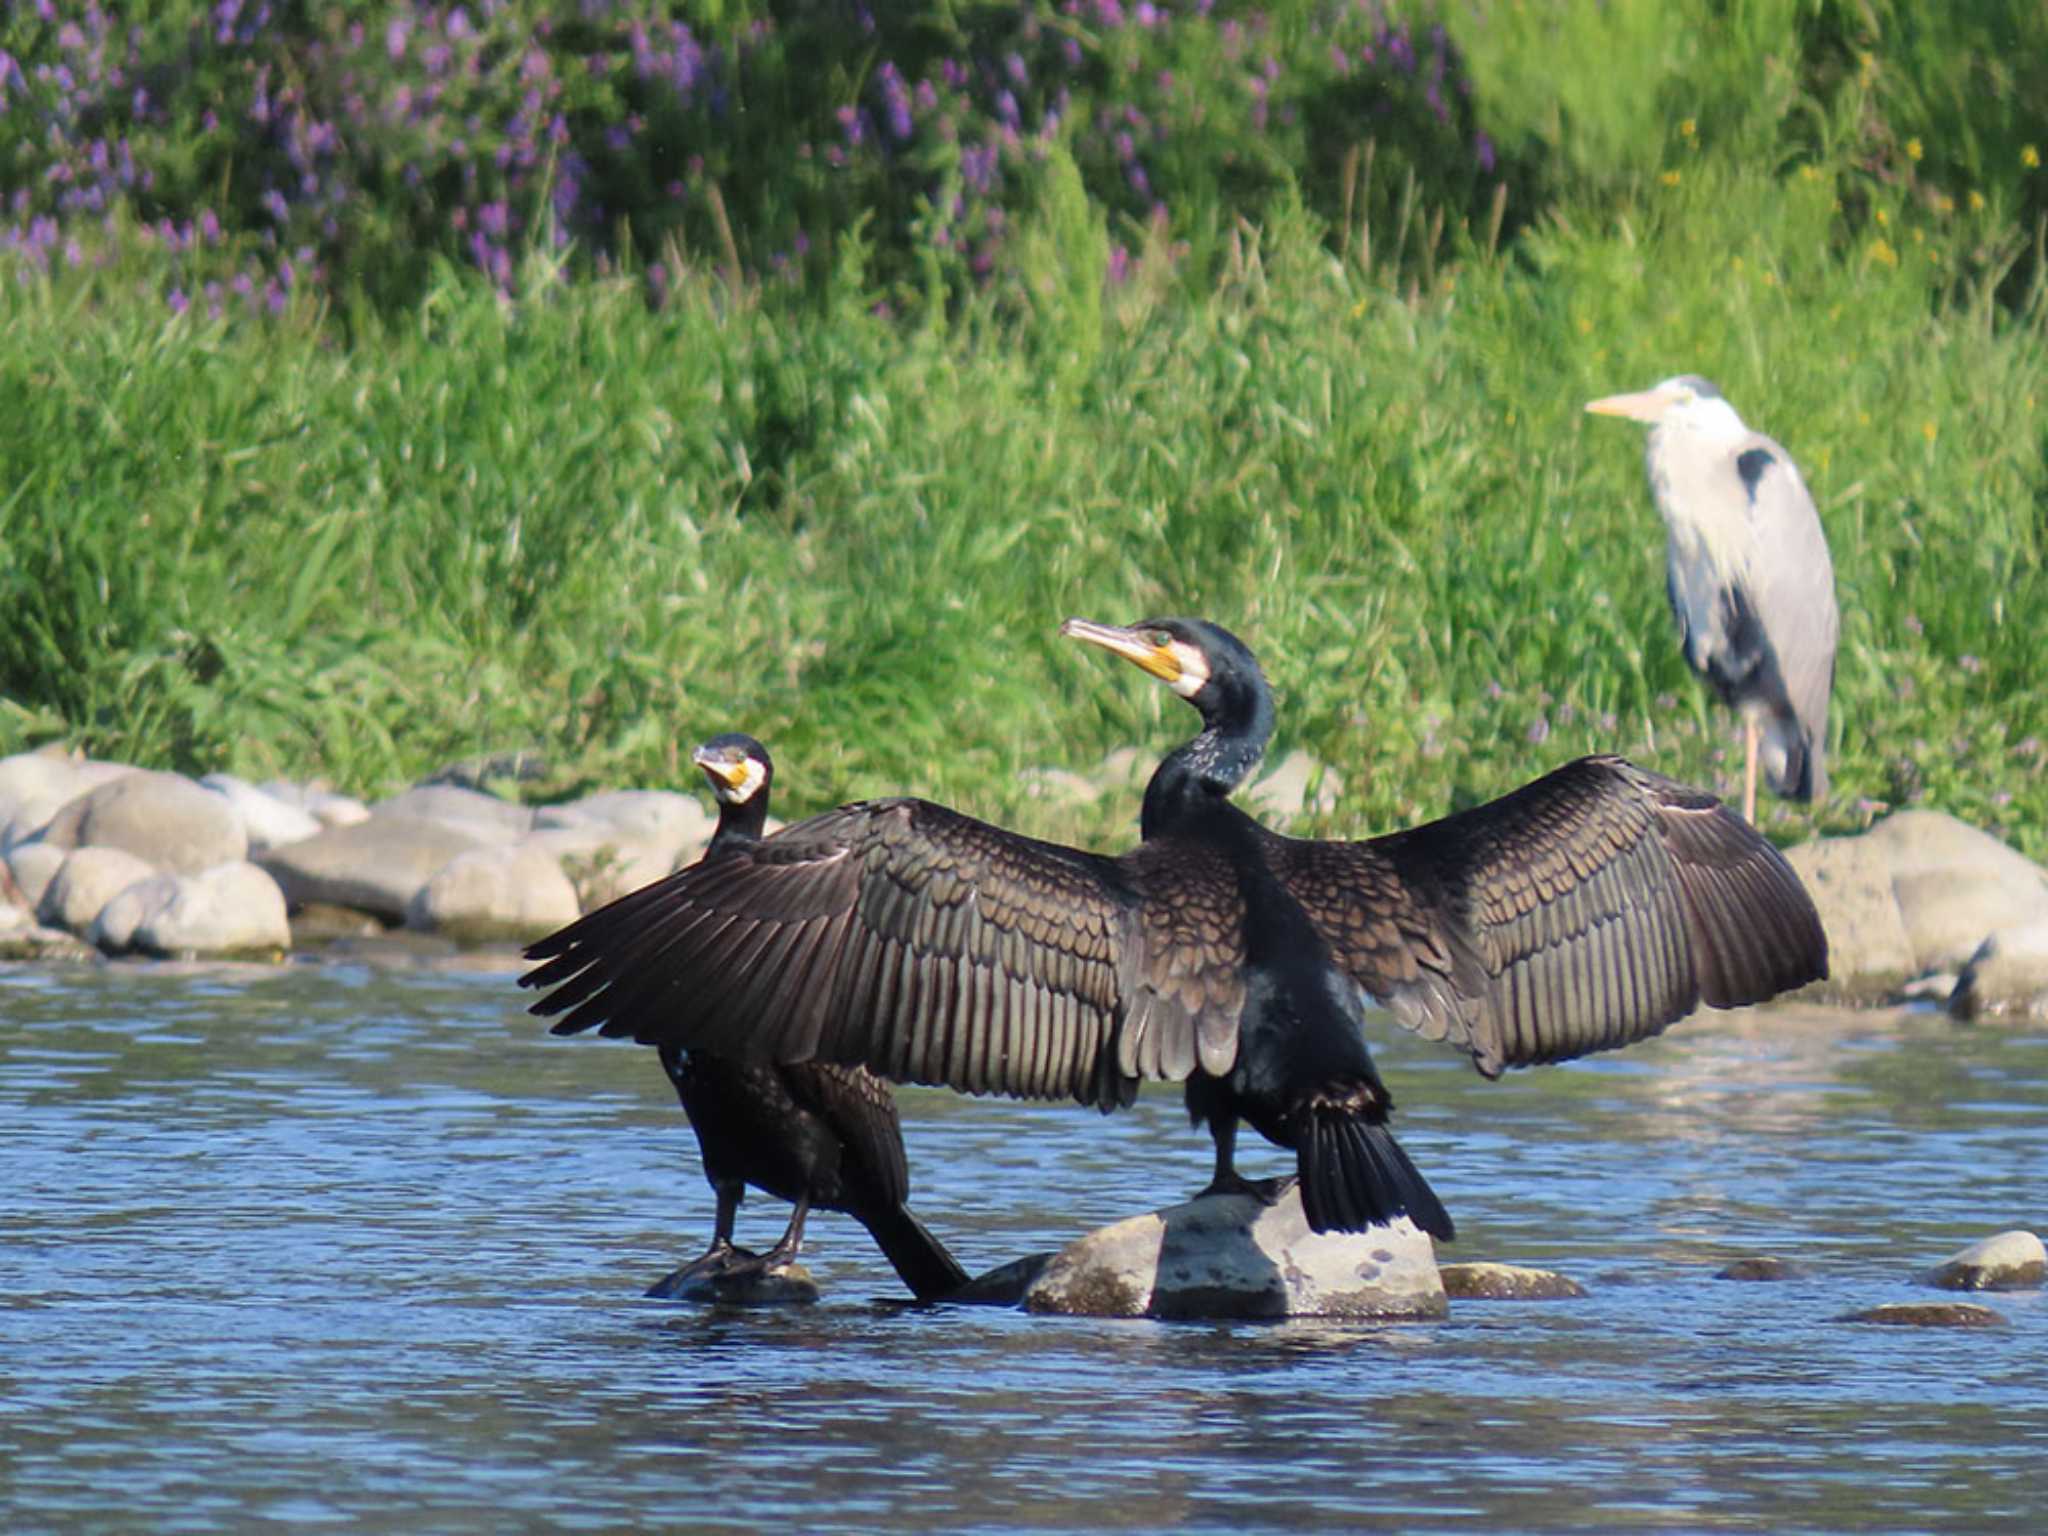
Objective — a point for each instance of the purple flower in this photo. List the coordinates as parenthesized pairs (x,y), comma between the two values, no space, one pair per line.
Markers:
(177,300)
(1119,265)
(395,35)
(1484,147)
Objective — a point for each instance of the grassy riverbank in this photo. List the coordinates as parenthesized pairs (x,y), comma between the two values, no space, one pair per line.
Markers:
(282,545)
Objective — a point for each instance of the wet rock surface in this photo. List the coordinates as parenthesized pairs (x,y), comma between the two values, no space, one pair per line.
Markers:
(1233,1256)
(1928,1314)
(2007,1261)
(1507,1282)
(1763,1267)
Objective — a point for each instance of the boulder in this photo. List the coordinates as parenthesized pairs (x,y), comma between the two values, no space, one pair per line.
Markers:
(785,1285)
(1928,1314)
(36,942)
(319,802)
(1956,885)
(1850,881)
(86,880)
(1762,1267)
(268,821)
(1235,1256)
(376,865)
(491,894)
(163,818)
(2010,1261)
(655,817)
(603,863)
(34,786)
(33,866)
(231,909)
(2007,975)
(485,817)
(1507,1282)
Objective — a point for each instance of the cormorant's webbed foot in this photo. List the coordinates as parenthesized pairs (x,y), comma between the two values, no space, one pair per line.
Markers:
(1265,1191)
(717,1261)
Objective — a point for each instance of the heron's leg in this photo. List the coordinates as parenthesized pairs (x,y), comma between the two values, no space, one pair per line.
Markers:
(1752,729)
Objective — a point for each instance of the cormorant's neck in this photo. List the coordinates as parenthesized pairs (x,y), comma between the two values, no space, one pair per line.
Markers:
(1201,774)
(740,824)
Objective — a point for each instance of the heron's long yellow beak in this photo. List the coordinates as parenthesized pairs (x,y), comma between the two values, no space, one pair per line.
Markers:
(732,774)
(1134,645)
(1644,405)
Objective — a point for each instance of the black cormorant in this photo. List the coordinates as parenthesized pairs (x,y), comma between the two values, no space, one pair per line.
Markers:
(816,1133)
(1581,912)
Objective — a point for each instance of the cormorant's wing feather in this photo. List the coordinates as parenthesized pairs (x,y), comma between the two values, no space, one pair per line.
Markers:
(1583,911)
(921,943)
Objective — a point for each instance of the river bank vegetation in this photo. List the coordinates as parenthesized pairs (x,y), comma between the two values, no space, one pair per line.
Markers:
(827,458)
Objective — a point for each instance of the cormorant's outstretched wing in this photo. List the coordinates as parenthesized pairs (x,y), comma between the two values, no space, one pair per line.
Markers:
(1588,909)
(921,943)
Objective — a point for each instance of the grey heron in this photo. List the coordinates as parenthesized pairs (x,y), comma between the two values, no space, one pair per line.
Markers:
(1748,574)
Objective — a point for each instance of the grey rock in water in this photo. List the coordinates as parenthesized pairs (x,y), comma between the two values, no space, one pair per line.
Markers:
(269,821)
(36,942)
(1850,881)
(654,816)
(85,882)
(784,1285)
(485,817)
(1223,1256)
(376,865)
(1919,892)
(1956,885)
(231,909)
(2008,1261)
(1507,1282)
(1928,1314)
(2008,975)
(487,895)
(34,866)
(163,818)
(1763,1267)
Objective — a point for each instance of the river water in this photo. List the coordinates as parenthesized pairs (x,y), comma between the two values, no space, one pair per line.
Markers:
(361,1247)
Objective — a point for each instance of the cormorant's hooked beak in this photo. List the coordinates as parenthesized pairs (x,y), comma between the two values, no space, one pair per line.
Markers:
(731,772)
(1644,405)
(1134,645)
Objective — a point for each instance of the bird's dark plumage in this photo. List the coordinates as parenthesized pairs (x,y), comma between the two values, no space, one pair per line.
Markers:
(815,1133)
(1583,911)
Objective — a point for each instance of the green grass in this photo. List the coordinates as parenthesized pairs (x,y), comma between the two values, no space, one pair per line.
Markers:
(607,532)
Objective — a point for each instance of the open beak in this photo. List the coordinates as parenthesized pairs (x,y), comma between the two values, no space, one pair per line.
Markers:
(731,774)
(1644,405)
(1131,644)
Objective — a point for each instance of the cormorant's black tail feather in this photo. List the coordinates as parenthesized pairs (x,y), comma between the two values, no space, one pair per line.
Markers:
(1354,1175)
(921,1259)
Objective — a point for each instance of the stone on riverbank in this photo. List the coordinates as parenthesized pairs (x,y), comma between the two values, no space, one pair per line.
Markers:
(377,865)
(318,801)
(1928,1314)
(86,880)
(1921,892)
(2008,1261)
(1221,1256)
(2007,975)
(162,818)
(515,893)
(34,786)
(268,821)
(231,909)
(34,866)
(485,817)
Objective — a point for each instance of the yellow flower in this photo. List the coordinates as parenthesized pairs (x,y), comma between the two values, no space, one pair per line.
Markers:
(2030,157)
(1770,279)
(1928,430)
(1883,218)
(1863,418)
(1912,149)
(1358,309)
(1585,325)
(1735,263)
(1809,173)
(1669,178)
(1881,250)
(1943,203)
(1976,201)
(1688,128)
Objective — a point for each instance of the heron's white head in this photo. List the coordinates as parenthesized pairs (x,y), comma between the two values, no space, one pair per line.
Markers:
(1687,402)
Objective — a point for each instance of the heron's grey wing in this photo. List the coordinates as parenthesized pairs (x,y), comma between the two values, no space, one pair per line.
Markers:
(1790,589)
(925,945)
(1583,911)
